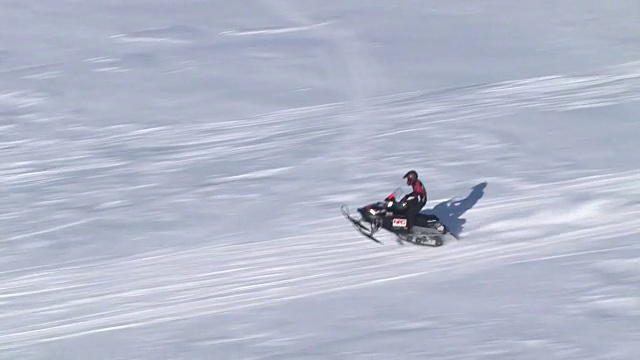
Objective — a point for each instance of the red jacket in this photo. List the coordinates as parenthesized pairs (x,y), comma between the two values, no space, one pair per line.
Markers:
(418,192)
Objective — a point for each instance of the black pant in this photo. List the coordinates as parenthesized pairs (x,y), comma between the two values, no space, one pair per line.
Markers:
(413,209)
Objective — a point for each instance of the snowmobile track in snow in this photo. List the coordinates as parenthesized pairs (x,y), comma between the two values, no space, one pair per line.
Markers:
(169,286)
(164,287)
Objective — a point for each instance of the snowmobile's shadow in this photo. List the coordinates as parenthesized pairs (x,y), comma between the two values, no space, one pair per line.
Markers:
(450,211)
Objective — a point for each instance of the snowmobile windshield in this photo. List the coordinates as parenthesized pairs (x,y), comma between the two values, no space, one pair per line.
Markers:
(397,194)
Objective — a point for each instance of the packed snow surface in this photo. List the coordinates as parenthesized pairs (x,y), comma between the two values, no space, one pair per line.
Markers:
(172,174)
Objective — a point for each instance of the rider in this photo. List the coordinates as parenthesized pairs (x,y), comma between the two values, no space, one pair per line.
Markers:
(412,203)
(415,200)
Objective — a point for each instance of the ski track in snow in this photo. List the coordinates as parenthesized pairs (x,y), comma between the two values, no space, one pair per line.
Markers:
(178,146)
(58,302)
(552,93)
(273,31)
(61,302)
(104,153)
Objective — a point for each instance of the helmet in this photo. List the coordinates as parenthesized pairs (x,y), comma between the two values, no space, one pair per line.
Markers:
(411,177)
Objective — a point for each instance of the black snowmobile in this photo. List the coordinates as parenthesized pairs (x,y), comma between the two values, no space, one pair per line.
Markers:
(427,229)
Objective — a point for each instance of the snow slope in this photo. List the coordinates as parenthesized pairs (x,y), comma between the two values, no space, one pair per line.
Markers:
(172,174)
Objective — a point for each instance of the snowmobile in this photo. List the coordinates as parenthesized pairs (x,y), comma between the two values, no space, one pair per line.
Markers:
(427,229)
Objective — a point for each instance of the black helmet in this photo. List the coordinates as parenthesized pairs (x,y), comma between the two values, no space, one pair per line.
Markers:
(411,177)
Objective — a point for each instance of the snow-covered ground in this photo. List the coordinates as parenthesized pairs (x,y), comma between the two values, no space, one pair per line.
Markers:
(172,173)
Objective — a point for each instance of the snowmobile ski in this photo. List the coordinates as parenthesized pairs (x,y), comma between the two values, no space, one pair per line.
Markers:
(358,225)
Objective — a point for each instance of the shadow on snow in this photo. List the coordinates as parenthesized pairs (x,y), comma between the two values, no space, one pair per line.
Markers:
(449,212)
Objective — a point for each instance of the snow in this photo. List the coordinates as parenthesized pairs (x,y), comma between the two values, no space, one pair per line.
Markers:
(172,175)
